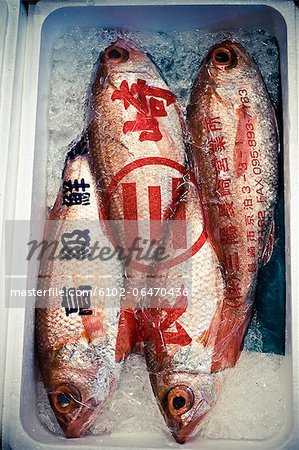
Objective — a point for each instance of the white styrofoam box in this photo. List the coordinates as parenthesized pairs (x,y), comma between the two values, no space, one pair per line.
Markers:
(21,425)
(12,40)
(3,18)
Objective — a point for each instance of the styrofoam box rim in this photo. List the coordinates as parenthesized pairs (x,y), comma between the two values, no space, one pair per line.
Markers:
(15,435)
(12,21)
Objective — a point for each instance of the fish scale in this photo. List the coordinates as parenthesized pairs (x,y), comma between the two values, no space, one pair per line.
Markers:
(178,357)
(135,132)
(124,126)
(235,145)
(77,353)
(223,128)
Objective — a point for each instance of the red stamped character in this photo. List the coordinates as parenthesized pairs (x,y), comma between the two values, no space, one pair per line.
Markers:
(228,235)
(146,100)
(251,236)
(213,124)
(226,209)
(221,165)
(252,267)
(251,252)
(223,187)
(248,203)
(231,262)
(217,144)
(156,327)
(249,220)
(233,289)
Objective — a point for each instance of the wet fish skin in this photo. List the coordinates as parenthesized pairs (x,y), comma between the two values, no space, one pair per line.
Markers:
(177,355)
(112,149)
(128,89)
(74,367)
(112,146)
(235,145)
(76,353)
(185,400)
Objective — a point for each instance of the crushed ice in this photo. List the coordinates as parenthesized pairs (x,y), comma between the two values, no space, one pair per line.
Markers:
(251,405)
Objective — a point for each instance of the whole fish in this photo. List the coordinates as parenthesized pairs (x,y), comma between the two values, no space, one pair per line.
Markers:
(176,327)
(235,145)
(76,342)
(135,132)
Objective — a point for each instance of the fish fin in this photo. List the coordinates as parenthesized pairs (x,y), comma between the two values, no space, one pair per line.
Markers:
(93,325)
(126,336)
(230,335)
(56,208)
(207,337)
(203,338)
(276,129)
(269,244)
(218,250)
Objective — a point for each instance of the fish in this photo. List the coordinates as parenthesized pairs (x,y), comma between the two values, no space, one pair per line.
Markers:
(175,324)
(76,346)
(136,134)
(235,144)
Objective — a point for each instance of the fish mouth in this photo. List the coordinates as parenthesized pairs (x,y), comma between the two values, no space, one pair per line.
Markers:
(125,43)
(185,424)
(183,433)
(74,414)
(81,425)
(185,400)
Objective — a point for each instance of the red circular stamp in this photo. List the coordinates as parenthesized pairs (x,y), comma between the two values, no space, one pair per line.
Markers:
(171,261)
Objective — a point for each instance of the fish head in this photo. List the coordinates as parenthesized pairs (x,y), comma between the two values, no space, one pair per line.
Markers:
(185,399)
(121,57)
(78,389)
(227,61)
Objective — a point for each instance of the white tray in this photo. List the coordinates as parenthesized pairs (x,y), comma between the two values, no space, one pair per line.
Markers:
(12,33)
(21,425)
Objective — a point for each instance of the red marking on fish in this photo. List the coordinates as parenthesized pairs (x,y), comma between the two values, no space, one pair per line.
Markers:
(241,150)
(130,213)
(145,99)
(156,328)
(155,212)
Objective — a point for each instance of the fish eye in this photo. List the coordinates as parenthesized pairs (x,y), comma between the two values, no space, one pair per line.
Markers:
(117,54)
(65,398)
(223,57)
(114,54)
(179,400)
